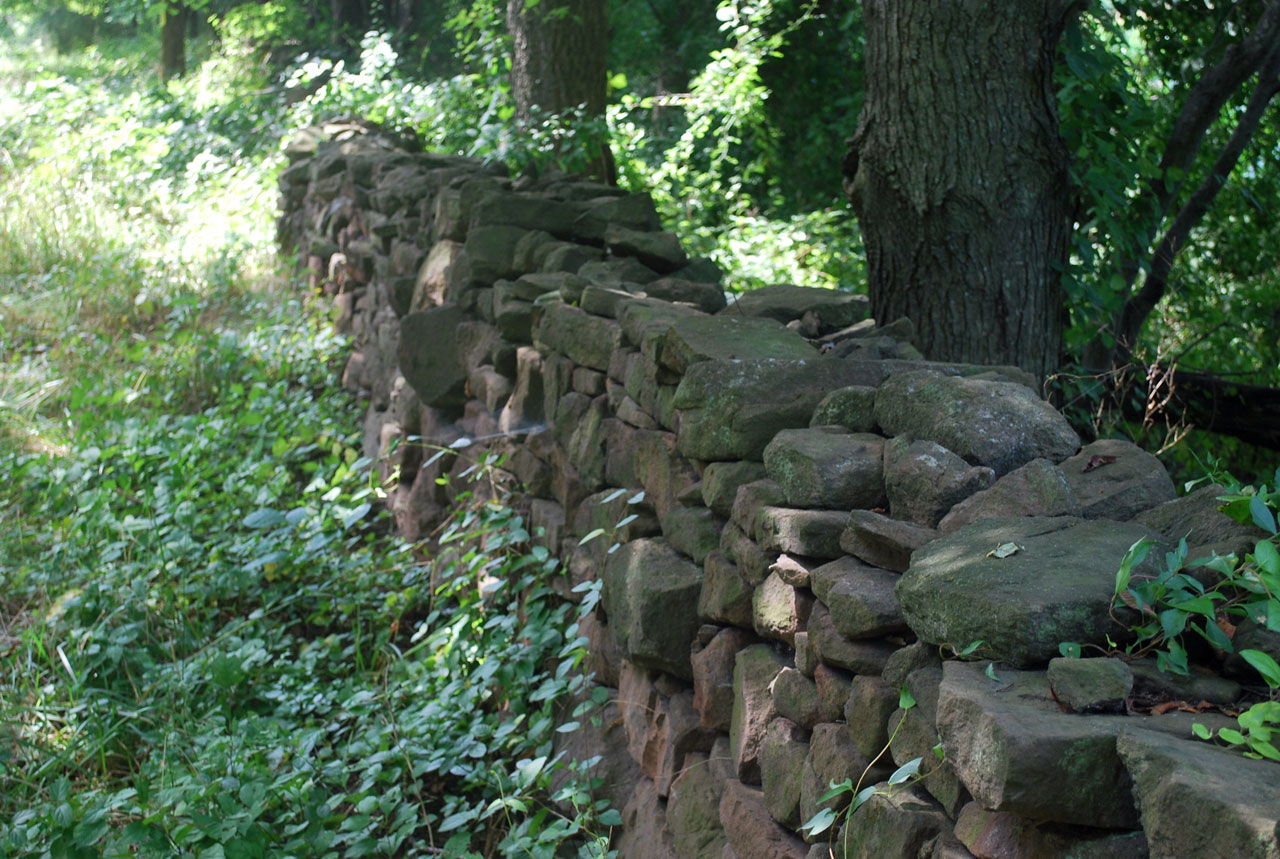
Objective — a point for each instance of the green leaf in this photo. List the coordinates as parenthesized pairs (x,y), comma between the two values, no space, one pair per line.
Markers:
(1136,555)
(355,515)
(591,536)
(861,797)
(1262,515)
(264,518)
(973,646)
(1069,649)
(991,672)
(836,789)
(905,771)
(1266,557)
(1201,731)
(1264,665)
(820,822)
(612,495)
(1233,737)
(905,700)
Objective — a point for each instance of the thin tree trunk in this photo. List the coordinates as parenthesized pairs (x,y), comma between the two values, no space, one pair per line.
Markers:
(959,178)
(173,45)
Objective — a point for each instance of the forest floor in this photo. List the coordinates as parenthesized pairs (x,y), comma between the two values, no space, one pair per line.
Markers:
(210,644)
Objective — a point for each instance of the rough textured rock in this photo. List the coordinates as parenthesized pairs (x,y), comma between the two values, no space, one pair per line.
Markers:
(778,610)
(692,531)
(795,697)
(618,772)
(835,471)
(1116,479)
(753,563)
(750,830)
(1000,835)
(651,598)
(720,482)
(587,340)
(852,408)
(693,807)
(833,758)
(750,498)
(915,736)
(871,702)
(834,686)
(785,302)
(1197,800)
(1014,749)
(733,409)
(1038,488)
(1197,518)
(782,759)
(1056,587)
(428,356)
(660,251)
(811,533)
(924,480)
(1091,685)
(707,297)
(754,669)
(703,338)
(645,834)
(713,666)
(726,596)
(997,424)
(860,598)
(867,656)
(892,823)
(881,541)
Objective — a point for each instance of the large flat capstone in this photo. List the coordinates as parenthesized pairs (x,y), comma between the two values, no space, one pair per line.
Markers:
(1055,586)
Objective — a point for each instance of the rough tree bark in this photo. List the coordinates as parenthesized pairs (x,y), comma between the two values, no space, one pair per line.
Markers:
(559,59)
(173,44)
(959,178)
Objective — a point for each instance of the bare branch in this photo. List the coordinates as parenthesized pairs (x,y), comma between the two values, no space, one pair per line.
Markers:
(1154,286)
(1203,105)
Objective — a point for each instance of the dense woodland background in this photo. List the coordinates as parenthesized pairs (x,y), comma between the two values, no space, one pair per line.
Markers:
(178,647)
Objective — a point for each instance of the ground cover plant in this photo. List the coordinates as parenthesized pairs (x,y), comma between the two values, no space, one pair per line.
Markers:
(210,645)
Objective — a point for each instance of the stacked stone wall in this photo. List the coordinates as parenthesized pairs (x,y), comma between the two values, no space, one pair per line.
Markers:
(811,517)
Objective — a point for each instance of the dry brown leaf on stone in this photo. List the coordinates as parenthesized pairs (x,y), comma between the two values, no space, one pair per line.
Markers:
(1097,461)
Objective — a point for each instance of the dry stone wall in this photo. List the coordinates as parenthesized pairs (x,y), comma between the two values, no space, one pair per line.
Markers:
(821,509)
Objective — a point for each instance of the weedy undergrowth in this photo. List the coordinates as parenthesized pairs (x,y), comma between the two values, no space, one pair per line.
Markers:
(856,795)
(1209,597)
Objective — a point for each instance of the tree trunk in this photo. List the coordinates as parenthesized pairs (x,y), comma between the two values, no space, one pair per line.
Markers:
(959,178)
(559,61)
(350,20)
(559,58)
(173,45)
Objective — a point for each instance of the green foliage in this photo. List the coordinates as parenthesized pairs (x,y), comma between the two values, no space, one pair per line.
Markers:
(209,646)
(856,795)
(1161,610)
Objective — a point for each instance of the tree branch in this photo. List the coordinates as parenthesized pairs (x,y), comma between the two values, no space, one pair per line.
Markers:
(1202,107)
(1155,284)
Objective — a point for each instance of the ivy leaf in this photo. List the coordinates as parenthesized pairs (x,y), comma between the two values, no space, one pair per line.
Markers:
(1264,665)
(820,822)
(264,518)
(905,771)
(1262,515)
